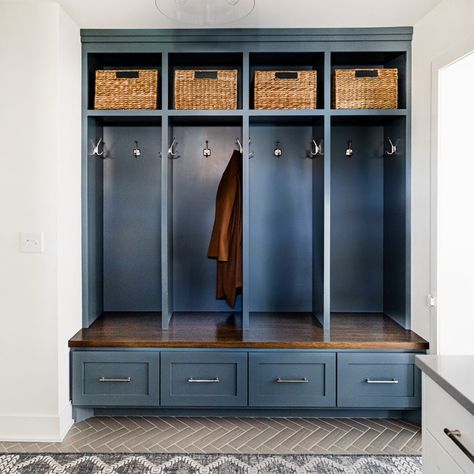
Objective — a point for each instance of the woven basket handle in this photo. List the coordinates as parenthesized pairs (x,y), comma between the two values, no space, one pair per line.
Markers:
(127,75)
(286,75)
(366,73)
(205,74)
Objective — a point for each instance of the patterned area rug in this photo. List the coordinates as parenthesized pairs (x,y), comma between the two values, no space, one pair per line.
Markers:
(206,464)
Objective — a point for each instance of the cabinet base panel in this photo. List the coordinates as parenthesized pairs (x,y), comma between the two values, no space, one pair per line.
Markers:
(413,416)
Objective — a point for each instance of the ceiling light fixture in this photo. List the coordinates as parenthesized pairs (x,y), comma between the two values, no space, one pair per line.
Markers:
(205,12)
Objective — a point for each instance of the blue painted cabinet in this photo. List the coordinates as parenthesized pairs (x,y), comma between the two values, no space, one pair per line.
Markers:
(327,236)
(253,379)
(204,379)
(115,378)
(292,380)
(377,380)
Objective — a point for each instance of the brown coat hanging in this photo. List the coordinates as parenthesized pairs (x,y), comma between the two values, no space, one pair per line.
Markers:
(226,238)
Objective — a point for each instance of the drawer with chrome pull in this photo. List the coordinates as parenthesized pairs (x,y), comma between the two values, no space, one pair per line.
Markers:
(115,378)
(204,378)
(292,379)
(452,426)
(377,380)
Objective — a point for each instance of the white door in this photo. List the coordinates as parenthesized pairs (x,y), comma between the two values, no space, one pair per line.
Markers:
(453,208)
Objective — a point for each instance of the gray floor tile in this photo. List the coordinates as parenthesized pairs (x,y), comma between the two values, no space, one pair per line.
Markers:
(234,435)
(349,438)
(332,438)
(366,439)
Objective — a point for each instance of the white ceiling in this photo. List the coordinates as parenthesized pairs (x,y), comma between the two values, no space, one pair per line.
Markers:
(267,13)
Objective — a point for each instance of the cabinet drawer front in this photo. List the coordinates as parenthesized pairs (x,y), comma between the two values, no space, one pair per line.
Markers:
(437,460)
(296,380)
(377,380)
(440,412)
(115,378)
(204,379)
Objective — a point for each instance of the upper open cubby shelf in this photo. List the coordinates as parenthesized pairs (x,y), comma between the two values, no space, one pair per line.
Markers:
(207,66)
(124,62)
(287,64)
(371,60)
(176,95)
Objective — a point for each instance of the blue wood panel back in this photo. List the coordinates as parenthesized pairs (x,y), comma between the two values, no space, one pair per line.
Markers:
(281,230)
(194,186)
(132,219)
(377,380)
(395,258)
(204,378)
(295,380)
(357,219)
(115,378)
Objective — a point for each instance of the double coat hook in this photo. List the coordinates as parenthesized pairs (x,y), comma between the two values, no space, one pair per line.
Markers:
(172,152)
(241,148)
(316,149)
(96,150)
(393,148)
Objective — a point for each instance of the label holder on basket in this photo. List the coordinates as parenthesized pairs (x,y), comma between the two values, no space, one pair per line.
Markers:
(286,75)
(127,75)
(205,75)
(366,73)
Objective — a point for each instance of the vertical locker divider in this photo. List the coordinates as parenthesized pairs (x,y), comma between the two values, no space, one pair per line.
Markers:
(166,203)
(85,192)
(408,184)
(327,195)
(246,191)
(318,222)
(93,205)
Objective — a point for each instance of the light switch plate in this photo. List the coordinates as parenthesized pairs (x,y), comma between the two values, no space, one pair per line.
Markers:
(31,242)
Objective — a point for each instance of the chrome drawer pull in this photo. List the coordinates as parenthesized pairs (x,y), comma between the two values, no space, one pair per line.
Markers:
(391,381)
(453,435)
(215,380)
(115,379)
(280,380)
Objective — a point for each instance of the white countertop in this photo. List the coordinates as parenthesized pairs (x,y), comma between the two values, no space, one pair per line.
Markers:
(455,374)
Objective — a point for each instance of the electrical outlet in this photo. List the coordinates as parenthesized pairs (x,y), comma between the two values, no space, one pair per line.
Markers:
(31,242)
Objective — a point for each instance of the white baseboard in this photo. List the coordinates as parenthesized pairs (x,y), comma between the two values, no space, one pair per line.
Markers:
(36,428)
(65,421)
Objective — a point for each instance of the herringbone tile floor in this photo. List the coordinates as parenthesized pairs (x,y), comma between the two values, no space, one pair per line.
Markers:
(234,435)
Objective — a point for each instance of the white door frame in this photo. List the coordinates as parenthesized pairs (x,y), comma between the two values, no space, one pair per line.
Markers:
(451,56)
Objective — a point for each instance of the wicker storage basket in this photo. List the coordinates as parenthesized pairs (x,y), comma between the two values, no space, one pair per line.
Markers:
(205,89)
(285,90)
(126,89)
(366,88)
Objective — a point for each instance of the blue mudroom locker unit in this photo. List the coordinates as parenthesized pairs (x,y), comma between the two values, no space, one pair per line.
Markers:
(322,322)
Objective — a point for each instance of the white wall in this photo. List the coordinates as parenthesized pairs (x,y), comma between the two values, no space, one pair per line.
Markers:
(451,22)
(39,191)
(69,205)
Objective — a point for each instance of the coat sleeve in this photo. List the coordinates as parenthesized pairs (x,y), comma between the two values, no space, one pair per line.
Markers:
(225,199)
(225,203)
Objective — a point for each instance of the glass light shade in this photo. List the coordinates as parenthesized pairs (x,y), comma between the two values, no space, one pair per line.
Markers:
(205,12)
